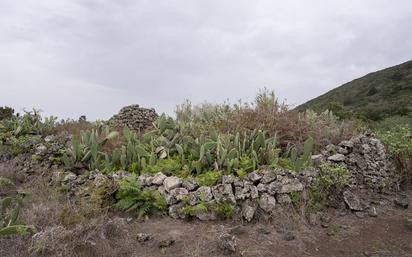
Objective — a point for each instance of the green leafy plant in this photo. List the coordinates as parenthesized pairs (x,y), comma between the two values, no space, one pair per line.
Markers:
(328,186)
(9,213)
(5,182)
(88,151)
(398,141)
(225,209)
(297,163)
(131,197)
(209,178)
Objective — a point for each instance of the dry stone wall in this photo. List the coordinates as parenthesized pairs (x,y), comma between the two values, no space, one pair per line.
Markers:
(266,192)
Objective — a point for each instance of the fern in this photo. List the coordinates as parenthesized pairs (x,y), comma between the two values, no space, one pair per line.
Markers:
(132,198)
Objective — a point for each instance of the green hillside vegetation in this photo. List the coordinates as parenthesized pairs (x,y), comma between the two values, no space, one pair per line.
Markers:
(375,97)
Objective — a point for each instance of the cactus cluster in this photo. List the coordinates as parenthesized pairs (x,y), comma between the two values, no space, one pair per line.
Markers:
(171,149)
(9,214)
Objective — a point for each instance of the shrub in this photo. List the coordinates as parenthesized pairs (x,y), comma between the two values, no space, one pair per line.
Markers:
(398,141)
(328,186)
(5,182)
(6,113)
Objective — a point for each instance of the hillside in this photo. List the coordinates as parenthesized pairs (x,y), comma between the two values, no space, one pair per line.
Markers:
(376,96)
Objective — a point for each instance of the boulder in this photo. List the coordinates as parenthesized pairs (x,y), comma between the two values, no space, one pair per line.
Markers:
(171,183)
(254,176)
(268,176)
(352,201)
(223,193)
(249,210)
(159,178)
(227,243)
(267,203)
(204,193)
(337,158)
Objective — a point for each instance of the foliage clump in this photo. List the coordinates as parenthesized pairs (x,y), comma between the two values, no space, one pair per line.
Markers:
(398,141)
(132,198)
(328,186)
(9,217)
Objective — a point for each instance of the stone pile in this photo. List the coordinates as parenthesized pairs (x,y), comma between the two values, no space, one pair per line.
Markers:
(365,157)
(136,118)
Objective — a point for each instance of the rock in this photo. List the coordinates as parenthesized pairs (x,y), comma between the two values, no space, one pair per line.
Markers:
(227,243)
(49,138)
(228,179)
(317,159)
(372,212)
(293,186)
(402,203)
(267,203)
(190,184)
(145,180)
(179,193)
(285,185)
(337,158)
(204,193)
(283,199)
(171,183)
(159,178)
(223,193)
(261,188)
(346,144)
(166,243)
(41,149)
(143,237)
(193,198)
(342,150)
(254,176)
(268,176)
(325,218)
(69,177)
(248,210)
(176,211)
(241,193)
(352,201)
(206,216)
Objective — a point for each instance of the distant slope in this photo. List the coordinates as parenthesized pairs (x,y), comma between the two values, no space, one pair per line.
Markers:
(375,96)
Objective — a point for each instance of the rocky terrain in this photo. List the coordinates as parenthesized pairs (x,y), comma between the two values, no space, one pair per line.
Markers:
(268,211)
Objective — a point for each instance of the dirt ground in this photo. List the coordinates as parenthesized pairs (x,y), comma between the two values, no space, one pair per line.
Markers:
(111,234)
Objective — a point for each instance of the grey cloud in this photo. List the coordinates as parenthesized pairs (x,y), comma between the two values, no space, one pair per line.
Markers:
(157,53)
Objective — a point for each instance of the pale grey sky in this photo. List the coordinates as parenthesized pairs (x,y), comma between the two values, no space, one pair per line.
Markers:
(91,57)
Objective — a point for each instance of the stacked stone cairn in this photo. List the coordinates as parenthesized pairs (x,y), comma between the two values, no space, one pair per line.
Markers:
(134,117)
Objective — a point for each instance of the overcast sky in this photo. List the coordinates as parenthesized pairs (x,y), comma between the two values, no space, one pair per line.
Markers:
(91,57)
